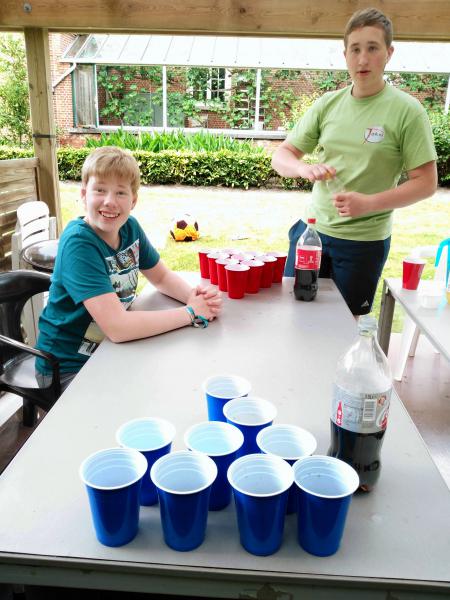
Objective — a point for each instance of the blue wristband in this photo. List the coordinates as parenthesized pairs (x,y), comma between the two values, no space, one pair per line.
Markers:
(196,320)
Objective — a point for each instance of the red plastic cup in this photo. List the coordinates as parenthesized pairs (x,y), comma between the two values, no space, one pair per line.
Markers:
(221,275)
(254,275)
(278,269)
(267,274)
(237,280)
(238,256)
(204,264)
(412,271)
(212,257)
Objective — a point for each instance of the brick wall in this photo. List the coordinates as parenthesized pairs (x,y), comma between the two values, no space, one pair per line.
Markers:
(302,83)
(62,94)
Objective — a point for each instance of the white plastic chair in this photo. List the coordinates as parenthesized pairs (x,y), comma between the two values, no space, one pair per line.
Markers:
(411,332)
(34,224)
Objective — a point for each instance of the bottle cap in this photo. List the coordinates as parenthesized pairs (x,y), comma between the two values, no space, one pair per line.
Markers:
(312,220)
(367,323)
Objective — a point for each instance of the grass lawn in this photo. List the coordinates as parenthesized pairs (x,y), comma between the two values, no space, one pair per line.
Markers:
(260,219)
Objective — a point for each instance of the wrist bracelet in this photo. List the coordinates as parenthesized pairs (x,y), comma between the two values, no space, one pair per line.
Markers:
(196,320)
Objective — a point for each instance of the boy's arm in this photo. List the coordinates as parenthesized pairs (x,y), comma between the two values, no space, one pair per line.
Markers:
(421,184)
(287,162)
(121,325)
(168,282)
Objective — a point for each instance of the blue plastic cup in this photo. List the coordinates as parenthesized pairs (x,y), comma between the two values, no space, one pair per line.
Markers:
(184,480)
(290,443)
(325,488)
(220,441)
(221,388)
(153,438)
(113,481)
(260,485)
(250,415)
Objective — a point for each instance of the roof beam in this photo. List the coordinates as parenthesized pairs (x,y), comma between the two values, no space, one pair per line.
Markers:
(420,20)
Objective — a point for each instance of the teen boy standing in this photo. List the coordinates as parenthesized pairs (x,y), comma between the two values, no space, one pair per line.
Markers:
(96,273)
(366,134)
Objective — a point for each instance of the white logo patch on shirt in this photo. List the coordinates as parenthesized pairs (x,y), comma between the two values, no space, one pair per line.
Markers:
(374,134)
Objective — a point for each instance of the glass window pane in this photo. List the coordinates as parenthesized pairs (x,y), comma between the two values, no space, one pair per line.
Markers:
(77,43)
(93,45)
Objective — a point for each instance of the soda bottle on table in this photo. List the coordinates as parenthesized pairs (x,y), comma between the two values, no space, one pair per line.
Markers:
(307,263)
(360,405)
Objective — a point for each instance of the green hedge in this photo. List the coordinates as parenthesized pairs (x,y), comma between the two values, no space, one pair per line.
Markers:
(440,124)
(224,167)
(185,167)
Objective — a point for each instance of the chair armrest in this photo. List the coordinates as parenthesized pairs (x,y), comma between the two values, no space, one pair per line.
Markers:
(54,362)
(30,350)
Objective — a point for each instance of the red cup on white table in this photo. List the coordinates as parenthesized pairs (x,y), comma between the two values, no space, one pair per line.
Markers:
(237,276)
(254,275)
(412,271)
(278,269)
(212,257)
(203,260)
(267,274)
(221,274)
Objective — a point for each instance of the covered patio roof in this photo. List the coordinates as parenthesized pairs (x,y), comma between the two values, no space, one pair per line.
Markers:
(245,52)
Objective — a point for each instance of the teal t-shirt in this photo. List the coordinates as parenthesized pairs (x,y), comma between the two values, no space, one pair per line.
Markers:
(86,267)
(369,141)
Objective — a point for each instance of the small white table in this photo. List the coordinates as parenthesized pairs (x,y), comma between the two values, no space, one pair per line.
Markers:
(432,322)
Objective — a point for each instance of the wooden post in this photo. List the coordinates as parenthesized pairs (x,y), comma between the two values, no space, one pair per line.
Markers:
(42,120)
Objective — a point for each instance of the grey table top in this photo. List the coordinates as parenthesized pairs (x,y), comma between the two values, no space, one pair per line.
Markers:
(396,536)
(433,322)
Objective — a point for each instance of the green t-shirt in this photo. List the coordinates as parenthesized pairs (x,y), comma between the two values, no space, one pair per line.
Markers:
(86,266)
(369,141)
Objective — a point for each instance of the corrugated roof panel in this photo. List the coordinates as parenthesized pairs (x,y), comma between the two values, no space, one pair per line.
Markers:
(203,50)
(226,51)
(134,49)
(112,48)
(156,51)
(248,52)
(275,53)
(180,50)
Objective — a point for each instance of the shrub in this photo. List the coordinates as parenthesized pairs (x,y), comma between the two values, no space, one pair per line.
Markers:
(10,152)
(70,161)
(440,124)
(173,140)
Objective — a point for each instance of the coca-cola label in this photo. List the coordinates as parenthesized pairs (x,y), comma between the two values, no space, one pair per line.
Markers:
(308,258)
(360,413)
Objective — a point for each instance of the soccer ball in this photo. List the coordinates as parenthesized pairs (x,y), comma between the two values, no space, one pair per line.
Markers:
(184,228)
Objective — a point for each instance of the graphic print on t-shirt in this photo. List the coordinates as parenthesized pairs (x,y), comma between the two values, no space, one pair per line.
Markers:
(123,269)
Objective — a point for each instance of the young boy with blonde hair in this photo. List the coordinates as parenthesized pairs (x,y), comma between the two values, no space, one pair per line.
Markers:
(367,134)
(96,273)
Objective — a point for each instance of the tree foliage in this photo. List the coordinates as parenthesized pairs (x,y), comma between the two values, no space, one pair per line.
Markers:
(15,125)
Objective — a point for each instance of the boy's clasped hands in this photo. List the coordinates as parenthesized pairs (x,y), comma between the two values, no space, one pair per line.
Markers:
(206,301)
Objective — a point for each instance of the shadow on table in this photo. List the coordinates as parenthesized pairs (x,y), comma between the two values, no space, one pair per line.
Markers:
(30,592)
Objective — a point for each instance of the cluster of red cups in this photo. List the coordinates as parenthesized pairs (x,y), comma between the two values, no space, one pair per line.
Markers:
(240,273)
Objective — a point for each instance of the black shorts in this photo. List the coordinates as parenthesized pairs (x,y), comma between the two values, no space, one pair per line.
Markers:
(354,266)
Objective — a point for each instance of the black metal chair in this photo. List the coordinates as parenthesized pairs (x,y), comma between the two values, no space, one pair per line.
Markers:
(17,371)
